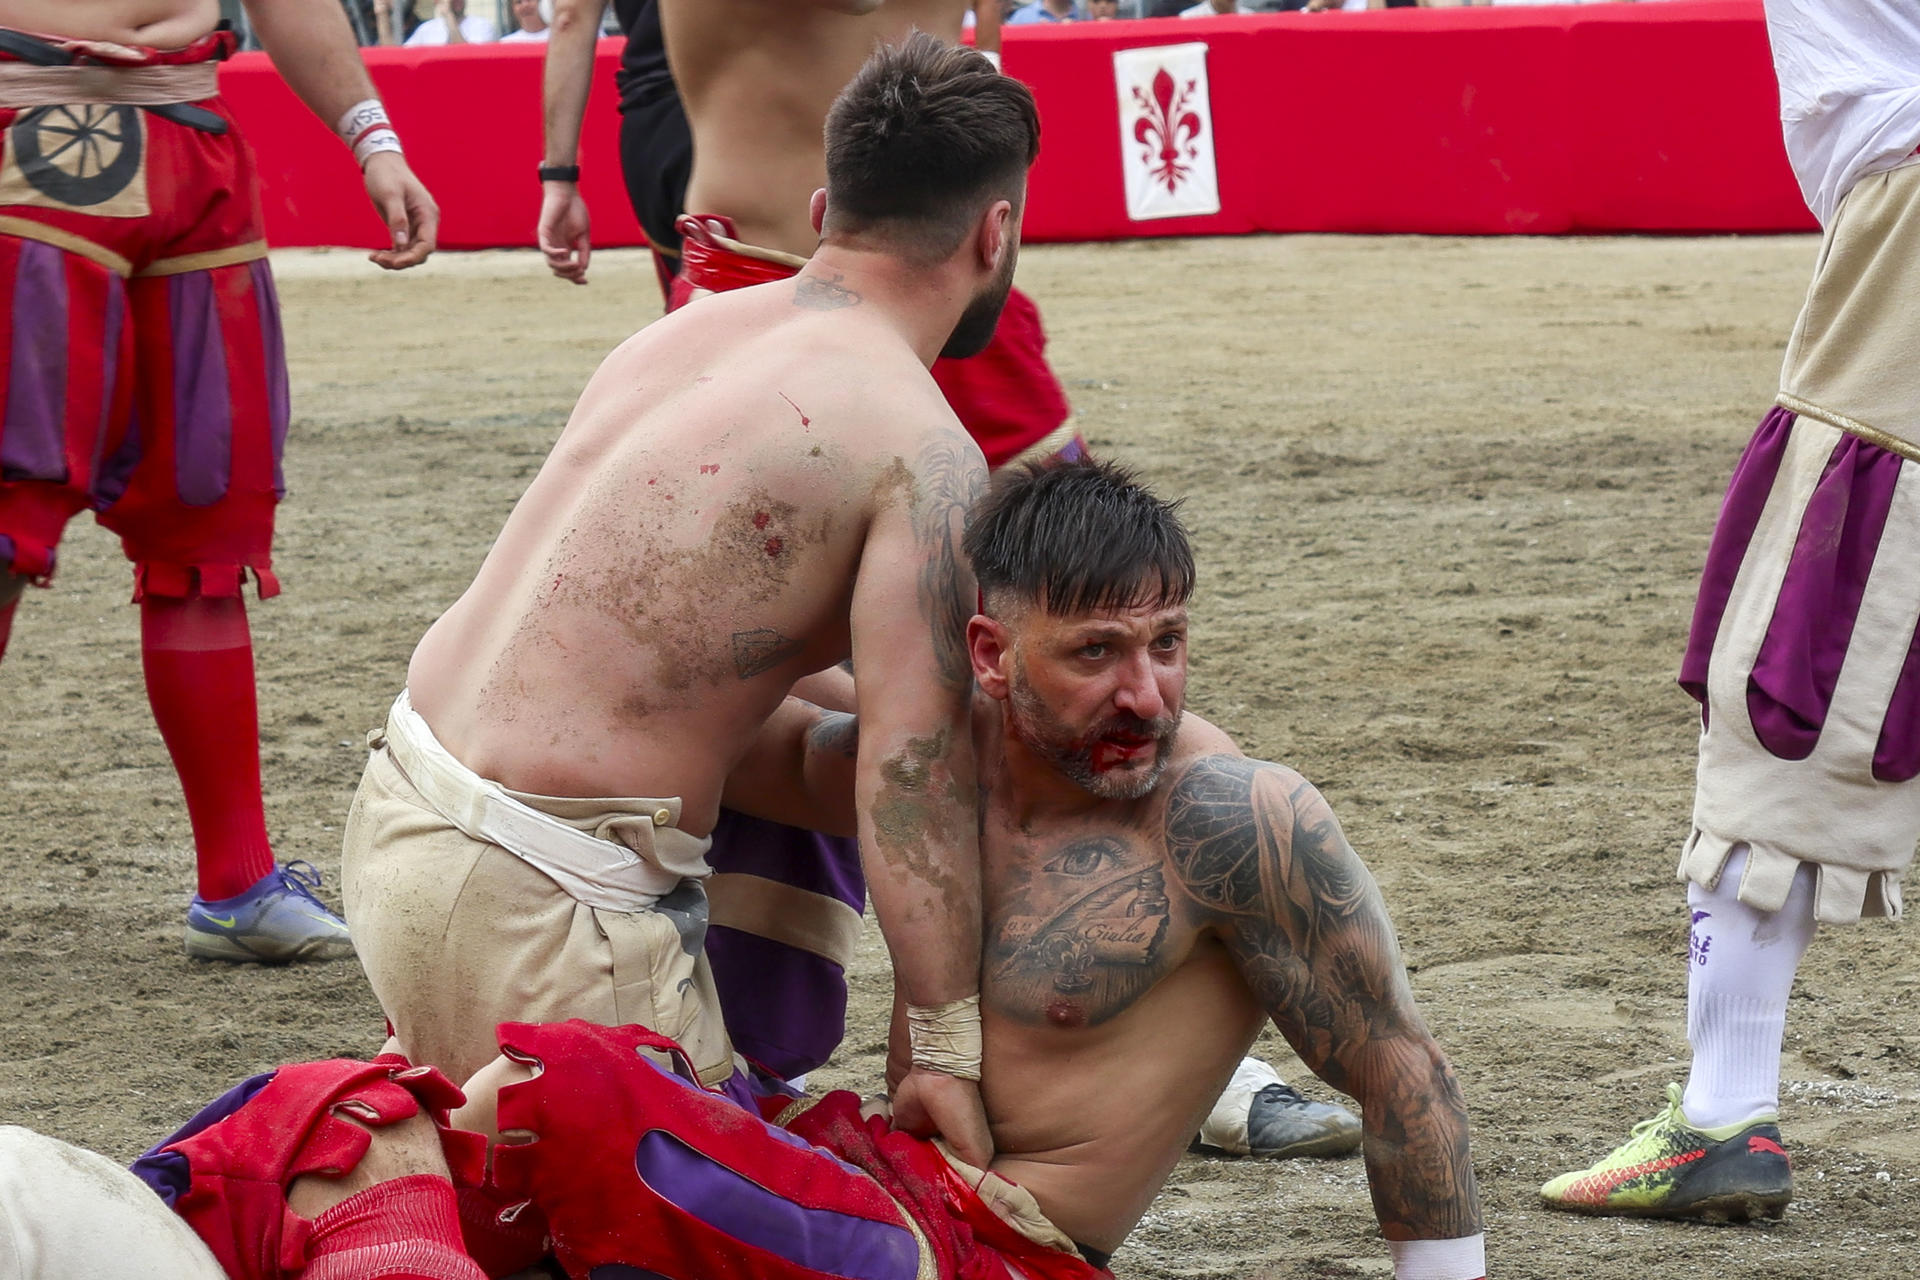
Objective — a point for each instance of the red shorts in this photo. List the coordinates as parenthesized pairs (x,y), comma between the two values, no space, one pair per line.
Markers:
(634,1167)
(146,374)
(1006,397)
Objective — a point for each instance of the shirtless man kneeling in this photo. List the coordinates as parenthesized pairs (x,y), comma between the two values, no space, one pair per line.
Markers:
(1152,898)
(745,493)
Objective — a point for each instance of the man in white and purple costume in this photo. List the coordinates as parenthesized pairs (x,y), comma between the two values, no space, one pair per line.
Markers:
(1803,653)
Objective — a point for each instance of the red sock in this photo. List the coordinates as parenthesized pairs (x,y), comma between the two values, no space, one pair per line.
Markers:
(199,663)
(405,1229)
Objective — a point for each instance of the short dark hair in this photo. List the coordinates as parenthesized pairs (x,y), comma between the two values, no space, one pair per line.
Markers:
(923,138)
(1077,536)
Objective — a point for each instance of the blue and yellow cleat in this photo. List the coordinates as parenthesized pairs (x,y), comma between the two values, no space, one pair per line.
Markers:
(276,920)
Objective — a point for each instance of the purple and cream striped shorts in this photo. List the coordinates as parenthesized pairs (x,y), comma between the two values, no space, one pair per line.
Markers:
(1805,659)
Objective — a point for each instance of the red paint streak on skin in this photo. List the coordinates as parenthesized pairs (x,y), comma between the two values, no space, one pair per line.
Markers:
(805,421)
(655,480)
(1065,1013)
(702,380)
(760,519)
(775,546)
(709,468)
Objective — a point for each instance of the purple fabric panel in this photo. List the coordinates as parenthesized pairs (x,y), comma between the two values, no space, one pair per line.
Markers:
(1791,688)
(6,550)
(111,322)
(273,344)
(166,1171)
(111,477)
(33,433)
(786,1009)
(1753,478)
(1896,758)
(202,400)
(826,865)
(818,1239)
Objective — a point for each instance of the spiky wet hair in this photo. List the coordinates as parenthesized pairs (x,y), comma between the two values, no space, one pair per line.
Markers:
(1075,537)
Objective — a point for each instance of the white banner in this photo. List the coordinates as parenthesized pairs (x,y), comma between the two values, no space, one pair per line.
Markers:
(1166,131)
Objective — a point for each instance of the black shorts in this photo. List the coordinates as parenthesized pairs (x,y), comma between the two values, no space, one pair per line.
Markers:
(656,158)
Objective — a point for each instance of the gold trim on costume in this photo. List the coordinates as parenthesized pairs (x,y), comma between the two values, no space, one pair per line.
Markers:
(827,927)
(23,86)
(252,251)
(27,229)
(1841,422)
(1045,447)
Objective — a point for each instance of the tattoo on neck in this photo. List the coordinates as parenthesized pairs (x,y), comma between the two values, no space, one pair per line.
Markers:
(816,294)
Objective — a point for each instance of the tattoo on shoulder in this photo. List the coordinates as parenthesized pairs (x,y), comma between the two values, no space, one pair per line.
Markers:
(818,294)
(759,651)
(951,476)
(837,732)
(1250,839)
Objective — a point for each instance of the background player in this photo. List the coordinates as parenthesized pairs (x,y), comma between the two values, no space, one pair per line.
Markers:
(1804,653)
(147,379)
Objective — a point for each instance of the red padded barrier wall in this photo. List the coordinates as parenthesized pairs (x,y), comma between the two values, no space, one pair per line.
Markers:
(1678,118)
(1588,118)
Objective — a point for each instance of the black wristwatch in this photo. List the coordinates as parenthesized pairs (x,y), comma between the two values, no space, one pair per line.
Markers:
(559,173)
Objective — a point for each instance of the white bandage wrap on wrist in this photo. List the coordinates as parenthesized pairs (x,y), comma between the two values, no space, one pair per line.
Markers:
(1462,1259)
(991,55)
(946,1037)
(365,128)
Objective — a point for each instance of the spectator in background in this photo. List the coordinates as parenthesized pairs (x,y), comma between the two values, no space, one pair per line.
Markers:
(450,24)
(1103,10)
(1047,11)
(533,17)
(1215,8)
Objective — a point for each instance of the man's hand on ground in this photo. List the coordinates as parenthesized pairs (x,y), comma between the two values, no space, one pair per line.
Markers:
(928,1102)
(412,218)
(563,233)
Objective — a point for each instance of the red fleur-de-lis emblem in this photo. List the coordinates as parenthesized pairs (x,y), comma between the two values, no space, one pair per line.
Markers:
(1167,129)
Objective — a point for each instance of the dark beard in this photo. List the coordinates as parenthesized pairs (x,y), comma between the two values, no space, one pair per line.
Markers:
(1072,757)
(982,316)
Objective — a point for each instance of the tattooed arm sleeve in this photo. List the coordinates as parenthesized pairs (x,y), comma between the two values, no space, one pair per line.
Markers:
(914,786)
(1259,851)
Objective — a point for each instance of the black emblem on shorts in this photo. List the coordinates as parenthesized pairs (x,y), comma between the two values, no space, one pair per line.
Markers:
(79,155)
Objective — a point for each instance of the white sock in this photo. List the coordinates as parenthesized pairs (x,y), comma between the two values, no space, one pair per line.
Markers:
(1740,966)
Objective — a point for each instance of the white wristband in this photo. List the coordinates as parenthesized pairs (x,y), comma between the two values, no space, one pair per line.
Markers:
(991,55)
(374,141)
(1461,1259)
(946,1037)
(359,118)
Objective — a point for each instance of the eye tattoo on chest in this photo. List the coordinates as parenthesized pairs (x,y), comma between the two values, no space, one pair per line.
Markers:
(1082,937)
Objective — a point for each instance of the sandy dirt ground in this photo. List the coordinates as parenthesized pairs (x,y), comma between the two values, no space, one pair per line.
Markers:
(1450,499)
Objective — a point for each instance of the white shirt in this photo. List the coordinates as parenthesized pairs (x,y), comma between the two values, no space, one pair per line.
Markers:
(1849,90)
(1206,10)
(434,31)
(517,35)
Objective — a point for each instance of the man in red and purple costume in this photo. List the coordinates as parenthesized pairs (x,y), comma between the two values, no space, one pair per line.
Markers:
(145,376)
